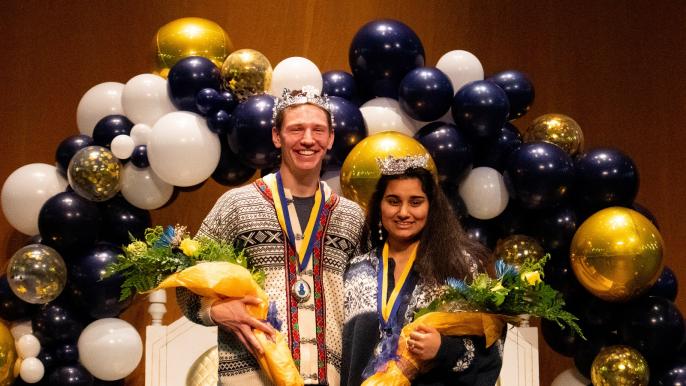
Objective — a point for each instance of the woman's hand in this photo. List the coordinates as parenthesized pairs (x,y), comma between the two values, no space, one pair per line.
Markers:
(232,315)
(424,342)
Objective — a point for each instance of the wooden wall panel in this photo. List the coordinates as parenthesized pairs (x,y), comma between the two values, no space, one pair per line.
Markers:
(616,67)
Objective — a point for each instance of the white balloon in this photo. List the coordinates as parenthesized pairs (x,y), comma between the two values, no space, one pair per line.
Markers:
(31,370)
(333,179)
(26,190)
(110,348)
(570,377)
(140,133)
(122,146)
(142,188)
(384,114)
(484,193)
(145,99)
(461,67)
(28,346)
(100,101)
(182,150)
(20,328)
(293,73)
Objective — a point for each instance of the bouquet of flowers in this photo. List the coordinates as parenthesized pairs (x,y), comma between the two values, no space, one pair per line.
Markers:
(480,308)
(170,258)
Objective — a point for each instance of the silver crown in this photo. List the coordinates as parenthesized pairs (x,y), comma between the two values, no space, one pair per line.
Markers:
(390,166)
(307,94)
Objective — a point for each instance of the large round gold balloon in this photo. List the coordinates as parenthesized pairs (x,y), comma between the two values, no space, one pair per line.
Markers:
(515,249)
(360,172)
(246,73)
(8,355)
(190,36)
(619,366)
(617,254)
(95,173)
(558,129)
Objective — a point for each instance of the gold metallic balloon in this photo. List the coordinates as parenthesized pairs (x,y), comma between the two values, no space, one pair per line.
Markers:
(95,173)
(8,355)
(617,254)
(246,73)
(558,129)
(190,36)
(360,172)
(515,249)
(619,366)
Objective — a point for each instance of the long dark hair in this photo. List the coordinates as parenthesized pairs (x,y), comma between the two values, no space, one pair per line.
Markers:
(443,244)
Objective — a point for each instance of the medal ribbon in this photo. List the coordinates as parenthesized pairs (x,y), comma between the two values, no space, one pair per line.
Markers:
(304,247)
(388,306)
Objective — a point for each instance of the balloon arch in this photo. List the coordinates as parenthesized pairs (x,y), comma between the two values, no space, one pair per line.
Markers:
(209,116)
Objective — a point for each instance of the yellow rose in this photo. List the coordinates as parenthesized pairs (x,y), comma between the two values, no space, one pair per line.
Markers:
(531,278)
(190,247)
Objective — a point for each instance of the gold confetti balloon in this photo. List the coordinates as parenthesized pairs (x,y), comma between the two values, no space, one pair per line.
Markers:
(246,73)
(558,129)
(8,356)
(360,172)
(619,366)
(95,173)
(37,274)
(616,254)
(190,36)
(515,249)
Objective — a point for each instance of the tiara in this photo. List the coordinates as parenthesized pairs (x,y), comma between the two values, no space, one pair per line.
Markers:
(391,165)
(307,94)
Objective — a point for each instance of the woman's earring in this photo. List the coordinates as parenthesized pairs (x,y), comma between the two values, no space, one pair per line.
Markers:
(380,231)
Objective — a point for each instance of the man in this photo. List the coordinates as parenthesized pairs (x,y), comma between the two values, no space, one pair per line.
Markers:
(301,234)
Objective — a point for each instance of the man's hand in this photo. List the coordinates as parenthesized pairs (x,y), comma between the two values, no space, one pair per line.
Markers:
(232,315)
(424,342)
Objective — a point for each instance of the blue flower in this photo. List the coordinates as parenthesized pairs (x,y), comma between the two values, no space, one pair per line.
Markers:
(502,269)
(167,237)
(457,284)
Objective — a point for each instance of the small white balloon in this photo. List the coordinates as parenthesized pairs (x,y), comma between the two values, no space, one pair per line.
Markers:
(100,101)
(182,150)
(384,114)
(293,73)
(31,370)
(145,99)
(122,146)
(21,328)
(461,67)
(140,133)
(484,193)
(570,377)
(142,188)
(26,190)
(110,348)
(28,346)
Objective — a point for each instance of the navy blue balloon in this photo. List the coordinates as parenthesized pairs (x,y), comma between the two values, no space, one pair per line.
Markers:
(482,231)
(109,127)
(187,77)
(675,375)
(219,121)
(139,156)
(646,213)
(339,84)
(68,221)
(120,220)
(450,149)
(56,323)
(66,354)
(209,100)
(230,171)
(555,228)
(425,94)
(587,350)
(560,275)
(251,135)
(480,108)
(349,128)
(72,375)
(562,341)
(381,54)
(605,177)
(654,326)
(666,285)
(514,220)
(519,90)
(11,307)
(495,153)
(539,175)
(89,290)
(68,147)
(47,356)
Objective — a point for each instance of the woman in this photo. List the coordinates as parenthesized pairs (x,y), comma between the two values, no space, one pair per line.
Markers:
(415,244)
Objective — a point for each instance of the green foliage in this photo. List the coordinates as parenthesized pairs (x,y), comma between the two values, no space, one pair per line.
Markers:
(145,264)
